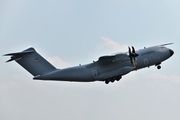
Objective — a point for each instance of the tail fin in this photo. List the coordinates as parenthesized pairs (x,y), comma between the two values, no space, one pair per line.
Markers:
(31,61)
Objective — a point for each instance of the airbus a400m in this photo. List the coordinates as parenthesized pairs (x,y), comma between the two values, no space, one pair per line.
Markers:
(107,68)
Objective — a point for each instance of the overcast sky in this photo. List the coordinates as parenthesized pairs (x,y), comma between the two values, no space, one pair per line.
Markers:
(72,32)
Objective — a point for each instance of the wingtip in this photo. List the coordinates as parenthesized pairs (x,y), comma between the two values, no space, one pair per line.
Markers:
(167,44)
(8,60)
(6,55)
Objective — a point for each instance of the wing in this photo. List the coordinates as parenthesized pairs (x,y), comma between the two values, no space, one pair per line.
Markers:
(166,44)
(122,57)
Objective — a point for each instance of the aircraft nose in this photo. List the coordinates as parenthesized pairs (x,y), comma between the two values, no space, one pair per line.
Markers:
(171,52)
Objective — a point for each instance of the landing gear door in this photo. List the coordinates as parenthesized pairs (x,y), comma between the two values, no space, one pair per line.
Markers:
(95,74)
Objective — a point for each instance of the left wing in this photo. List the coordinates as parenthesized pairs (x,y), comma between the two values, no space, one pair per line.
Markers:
(113,58)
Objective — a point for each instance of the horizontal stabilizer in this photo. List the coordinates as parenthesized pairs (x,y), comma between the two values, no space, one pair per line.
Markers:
(12,59)
(18,55)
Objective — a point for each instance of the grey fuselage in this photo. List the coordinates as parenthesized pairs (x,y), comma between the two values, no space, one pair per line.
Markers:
(98,71)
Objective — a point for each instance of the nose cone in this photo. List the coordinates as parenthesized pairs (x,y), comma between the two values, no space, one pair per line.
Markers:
(171,52)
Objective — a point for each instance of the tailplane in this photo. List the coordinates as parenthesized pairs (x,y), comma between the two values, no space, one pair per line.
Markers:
(31,61)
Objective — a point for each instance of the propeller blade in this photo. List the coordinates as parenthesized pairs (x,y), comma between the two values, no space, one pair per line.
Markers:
(133,50)
(129,50)
(133,62)
(130,54)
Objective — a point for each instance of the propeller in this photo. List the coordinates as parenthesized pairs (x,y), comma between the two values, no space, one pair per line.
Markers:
(132,55)
(134,52)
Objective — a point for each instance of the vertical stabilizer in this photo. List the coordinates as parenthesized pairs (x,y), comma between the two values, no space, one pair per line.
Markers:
(31,61)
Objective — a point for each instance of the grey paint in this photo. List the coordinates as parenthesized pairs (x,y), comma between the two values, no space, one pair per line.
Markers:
(106,68)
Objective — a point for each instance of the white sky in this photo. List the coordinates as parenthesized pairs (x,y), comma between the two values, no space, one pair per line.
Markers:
(72,32)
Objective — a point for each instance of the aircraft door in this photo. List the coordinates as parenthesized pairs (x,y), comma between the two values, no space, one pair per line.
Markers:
(95,74)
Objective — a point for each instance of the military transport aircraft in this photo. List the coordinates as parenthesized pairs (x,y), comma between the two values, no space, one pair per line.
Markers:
(107,68)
